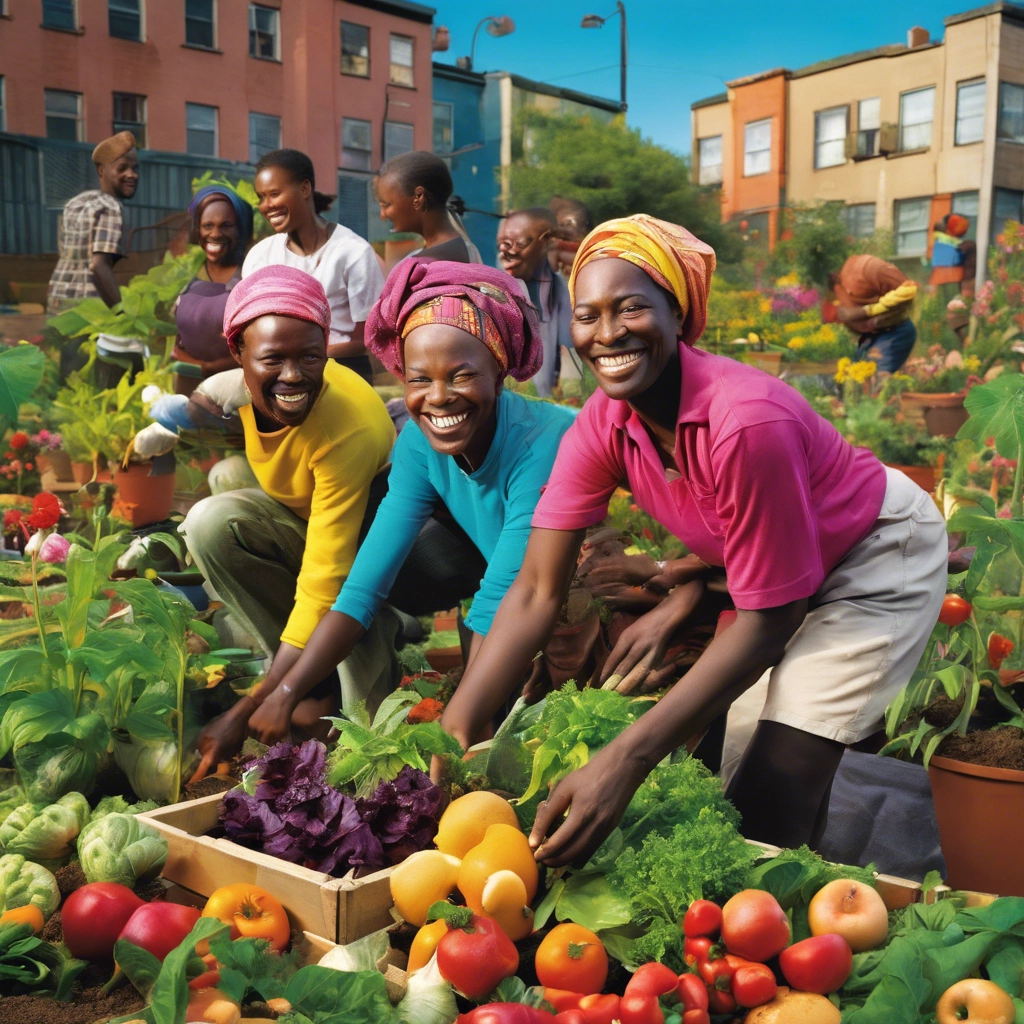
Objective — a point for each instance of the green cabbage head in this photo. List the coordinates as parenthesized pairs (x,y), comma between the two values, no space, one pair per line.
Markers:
(45,836)
(22,883)
(121,848)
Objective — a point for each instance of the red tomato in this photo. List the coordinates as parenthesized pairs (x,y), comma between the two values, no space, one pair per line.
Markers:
(640,1009)
(159,927)
(92,918)
(561,999)
(720,1002)
(712,970)
(998,648)
(702,917)
(753,985)
(571,1017)
(955,610)
(819,964)
(505,1013)
(692,992)
(754,926)
(652,980)
(697,950)
(696,1017)
(600,1009)
(475,958)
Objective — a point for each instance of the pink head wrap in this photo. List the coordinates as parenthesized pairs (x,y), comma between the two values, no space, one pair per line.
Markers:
(414,282)
(276,290)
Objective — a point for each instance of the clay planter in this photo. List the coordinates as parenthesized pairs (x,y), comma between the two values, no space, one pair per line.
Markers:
(923,476)
(81,473)
(444,659)
(980,811)
(770,362)
(944,414)
(150,496)
(59,462)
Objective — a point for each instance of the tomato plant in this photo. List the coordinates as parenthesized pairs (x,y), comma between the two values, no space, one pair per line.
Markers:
(955,610)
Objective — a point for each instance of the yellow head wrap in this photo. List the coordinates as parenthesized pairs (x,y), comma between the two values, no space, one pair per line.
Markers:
(113,148)
(677,260)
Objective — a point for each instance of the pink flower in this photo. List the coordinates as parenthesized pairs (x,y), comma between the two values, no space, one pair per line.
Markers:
(55,548)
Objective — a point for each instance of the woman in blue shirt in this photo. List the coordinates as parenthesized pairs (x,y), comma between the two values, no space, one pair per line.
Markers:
(452,332)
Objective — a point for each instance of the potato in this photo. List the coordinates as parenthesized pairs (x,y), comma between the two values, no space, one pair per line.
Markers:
(790,1007)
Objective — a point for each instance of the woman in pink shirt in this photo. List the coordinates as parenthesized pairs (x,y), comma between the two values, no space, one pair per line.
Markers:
(836,565)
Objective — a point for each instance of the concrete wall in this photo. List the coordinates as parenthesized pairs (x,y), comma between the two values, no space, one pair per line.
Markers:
(1009,156)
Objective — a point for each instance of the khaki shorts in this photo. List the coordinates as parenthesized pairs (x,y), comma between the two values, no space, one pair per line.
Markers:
(863,635)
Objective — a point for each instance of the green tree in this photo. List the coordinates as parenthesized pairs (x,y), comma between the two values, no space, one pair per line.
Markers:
(817,245)
(616,172)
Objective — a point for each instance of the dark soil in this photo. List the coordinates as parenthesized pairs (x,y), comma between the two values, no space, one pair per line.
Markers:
(208,786)
(87,1006)
(994,748)
(942,712)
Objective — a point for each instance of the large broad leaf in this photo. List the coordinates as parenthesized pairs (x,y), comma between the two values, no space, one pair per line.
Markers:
(997,411)
(35,717)
(88,572)
(21,371)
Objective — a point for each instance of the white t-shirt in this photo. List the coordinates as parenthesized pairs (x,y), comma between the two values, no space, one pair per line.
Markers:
(345,265)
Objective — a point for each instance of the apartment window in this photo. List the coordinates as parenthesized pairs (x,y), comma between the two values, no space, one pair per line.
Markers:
(130,116)
(397,139)
(199,22)
(970,112)
(355,50)
(60,14)
(264,135)
(869,123)
(966,204)
(917,110)
(264,35)
(444,128)
(1011,112)
(757,147)
(356,144)
(64,115)
(124,19)
(709,160)
(830,128)
(912,226)
(200,129)
(401,60)
(860,219)
(1007,205)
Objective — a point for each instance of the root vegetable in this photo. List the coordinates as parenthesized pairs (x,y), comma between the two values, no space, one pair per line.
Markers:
(975,1000)
(213,1007)
(790,1007)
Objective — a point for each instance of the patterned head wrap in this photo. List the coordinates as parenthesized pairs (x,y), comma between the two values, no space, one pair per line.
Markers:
(276,290)
(678,261)
(956,225)
(113,148)
(243,211)
(483,301)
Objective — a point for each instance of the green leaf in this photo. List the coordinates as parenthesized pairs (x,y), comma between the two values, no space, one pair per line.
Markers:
(170,994)
(21,372)
(36,717)
(247,965)
(592,903)
(326,996)
(138,964)
(996,410)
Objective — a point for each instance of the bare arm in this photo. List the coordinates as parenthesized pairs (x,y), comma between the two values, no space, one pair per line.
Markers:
(355,346)
(101,272)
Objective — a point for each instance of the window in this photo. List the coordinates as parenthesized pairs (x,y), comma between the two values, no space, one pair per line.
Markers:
(124,18)
(355,50)
(1011,112)
(401,60)
(64,115)
(830,137)
(757,147)
(709,160)
(356,144)
(200,129)
(263,32)
(397,139)
(917,109)
(354,201)
(912,226)
(1006,205)
(860,219)
(264,135)
(966,204)
(60,14)
(444,128)
(869,122)
(970,112)
(130,116)
(199,23)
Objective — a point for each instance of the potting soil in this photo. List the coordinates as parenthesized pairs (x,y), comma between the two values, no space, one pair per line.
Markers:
(995,748)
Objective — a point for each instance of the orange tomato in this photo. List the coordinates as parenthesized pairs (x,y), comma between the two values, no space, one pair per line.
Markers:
(573,958)
(29,914)
(252,913)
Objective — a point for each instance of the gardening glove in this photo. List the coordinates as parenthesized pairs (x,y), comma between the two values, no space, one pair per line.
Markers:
(154,440)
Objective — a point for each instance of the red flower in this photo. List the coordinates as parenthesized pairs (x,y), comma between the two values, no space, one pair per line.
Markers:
(12,517)
(998,648)
(46,511)
(19,440)
(428,710)
(29,466)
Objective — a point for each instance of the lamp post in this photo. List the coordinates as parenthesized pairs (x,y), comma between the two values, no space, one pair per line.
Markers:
(497,25)
(596,21)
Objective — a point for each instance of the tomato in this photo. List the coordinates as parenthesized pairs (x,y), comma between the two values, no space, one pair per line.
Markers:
(753,984)
(692,992)
(571,957)
(711,970)
(505,1013)
(575,1016)
(600,1009)
(561,999)
(702,917)
(955,610)
(159,927)
(476,956)
(697,950)
(635,1008)
(754,926)
(998,648)
(94,915)
(29,914)
(819,964)
(696,1017)
(720,1002)
(652,980)
(252,913)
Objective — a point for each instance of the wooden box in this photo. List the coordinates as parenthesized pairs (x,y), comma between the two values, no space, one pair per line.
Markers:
(338,909)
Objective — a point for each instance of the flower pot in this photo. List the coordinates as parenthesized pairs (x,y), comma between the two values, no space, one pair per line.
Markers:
(81,473)
(944,414)
(980,811)
(444,659)
(770,362)
(149,497)
(58,462)
(923,476)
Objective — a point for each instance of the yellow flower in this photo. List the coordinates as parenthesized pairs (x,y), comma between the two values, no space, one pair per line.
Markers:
(863,371)
(843,370)
(972,364)
(796,344)
(214,674)
(788,280)
(765,306)
(753,338)
(150,574)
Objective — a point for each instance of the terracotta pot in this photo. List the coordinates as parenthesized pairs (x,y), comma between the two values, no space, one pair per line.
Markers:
(980,812)
(81,473)
(923,476)
(59,462)
(444,659)
(944,414)
(150,496)
(770,362)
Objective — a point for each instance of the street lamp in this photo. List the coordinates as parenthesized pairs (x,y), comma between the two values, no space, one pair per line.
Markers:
(596,21)
(497,25)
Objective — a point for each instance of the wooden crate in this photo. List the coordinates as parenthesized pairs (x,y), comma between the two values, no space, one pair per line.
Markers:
(338,909)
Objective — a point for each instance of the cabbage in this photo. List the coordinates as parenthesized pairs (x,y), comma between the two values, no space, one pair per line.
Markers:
(22,883)
(428,999)
(151,767)
(47,836)
(53,767)
(121,848)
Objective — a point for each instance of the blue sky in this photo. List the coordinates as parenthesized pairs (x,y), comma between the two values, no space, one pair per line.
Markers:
(679,50)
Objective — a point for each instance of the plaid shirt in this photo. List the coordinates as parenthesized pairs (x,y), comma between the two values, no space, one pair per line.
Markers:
(91,222)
